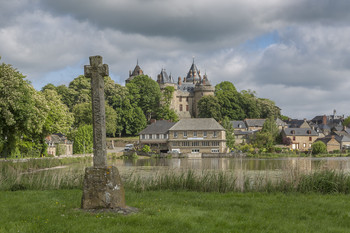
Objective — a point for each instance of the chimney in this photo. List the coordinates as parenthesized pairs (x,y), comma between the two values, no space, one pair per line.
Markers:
(324,120)
(179,81)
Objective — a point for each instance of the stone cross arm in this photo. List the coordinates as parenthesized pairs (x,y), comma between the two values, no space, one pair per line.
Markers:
(96,67)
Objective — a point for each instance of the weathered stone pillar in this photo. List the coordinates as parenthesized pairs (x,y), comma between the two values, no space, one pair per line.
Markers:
(102,184)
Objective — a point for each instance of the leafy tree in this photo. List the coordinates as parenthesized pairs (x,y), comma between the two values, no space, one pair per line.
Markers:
(228,98)
(83,140)
(347,121)
(268,108)
(145,93)
(318,148)
(230,138)
(23,110)
(80,89)
(249,104)
(59,119)
(209,106)
(165,113)
(83,116)
(266,138)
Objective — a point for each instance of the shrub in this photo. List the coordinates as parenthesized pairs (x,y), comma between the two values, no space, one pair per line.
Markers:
(318,148)
(146,149)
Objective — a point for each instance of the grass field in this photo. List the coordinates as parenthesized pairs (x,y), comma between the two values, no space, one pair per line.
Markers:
(167,211)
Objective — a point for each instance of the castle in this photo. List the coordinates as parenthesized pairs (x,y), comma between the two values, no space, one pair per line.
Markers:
(188,90)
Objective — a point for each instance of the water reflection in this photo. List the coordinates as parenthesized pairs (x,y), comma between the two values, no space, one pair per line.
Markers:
(247,164)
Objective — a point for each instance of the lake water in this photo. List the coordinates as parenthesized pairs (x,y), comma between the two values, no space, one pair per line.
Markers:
(247,164)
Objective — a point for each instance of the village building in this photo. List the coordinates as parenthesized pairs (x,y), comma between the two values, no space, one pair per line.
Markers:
(301,138)
(254,124)
(331,143)
(197,135)
(156,136)
(58,144)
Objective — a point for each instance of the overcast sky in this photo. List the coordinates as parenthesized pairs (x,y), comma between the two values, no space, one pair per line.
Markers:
(294,52)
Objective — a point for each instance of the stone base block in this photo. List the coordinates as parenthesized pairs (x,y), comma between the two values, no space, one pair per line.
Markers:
(102,189)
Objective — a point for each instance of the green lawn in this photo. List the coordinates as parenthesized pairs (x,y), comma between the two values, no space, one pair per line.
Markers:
(165,211)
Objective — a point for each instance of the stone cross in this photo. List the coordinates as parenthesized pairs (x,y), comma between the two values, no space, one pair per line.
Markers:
(96,71)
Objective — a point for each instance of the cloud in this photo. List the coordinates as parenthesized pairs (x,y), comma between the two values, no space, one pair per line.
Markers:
(293,52)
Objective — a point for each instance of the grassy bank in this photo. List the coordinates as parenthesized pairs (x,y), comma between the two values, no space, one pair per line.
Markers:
(166,211)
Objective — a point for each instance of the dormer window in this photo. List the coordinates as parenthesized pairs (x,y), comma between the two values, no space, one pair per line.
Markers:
(292,132)
(308,131)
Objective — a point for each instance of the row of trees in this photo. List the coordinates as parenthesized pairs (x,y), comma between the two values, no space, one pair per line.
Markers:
(228,102)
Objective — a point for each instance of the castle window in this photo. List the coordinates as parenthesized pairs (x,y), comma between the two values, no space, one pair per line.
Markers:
(180,107)
(186,99)
(186,107)
(180,99)
(310,139)
(293,138)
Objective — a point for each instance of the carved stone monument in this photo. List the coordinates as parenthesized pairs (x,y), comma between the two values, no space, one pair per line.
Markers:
(103,188)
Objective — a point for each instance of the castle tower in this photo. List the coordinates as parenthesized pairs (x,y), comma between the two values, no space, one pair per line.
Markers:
(137,71)
(202,88)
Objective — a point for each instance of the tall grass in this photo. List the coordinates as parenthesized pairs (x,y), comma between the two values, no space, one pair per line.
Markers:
(41,175)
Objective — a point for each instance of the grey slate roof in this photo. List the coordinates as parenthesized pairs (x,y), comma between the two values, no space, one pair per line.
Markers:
(165,78)
(300,132)
(238,124)
(193,73)
(295,123)
(255,122)
(197,124)
(159,127)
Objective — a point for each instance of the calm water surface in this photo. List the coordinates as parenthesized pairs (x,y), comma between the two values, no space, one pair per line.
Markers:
(247,164)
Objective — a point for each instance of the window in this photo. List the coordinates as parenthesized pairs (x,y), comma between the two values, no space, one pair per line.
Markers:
(293,138)
(204,133)
(310,139)
(186,107)
(195,150)
(180,107)
(175,134)
(185,134)
(215,134)
(308,131)
(205,143)
(175,144)
(214,150)
(165,136)
(186,99)
(185,143)
(194,133)
(143,136)
(304,145)
(158,136)
(215,143)
(150,136)
(180,99)
(195,143)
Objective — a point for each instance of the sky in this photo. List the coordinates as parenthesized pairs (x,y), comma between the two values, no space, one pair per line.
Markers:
(294,52)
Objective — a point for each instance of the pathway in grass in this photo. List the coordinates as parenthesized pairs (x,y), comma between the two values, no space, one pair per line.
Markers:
(165,211)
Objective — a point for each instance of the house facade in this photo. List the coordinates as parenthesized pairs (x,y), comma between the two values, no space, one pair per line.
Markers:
(156,135)
(331,143)
(197,135)
(58,144)
(301,138)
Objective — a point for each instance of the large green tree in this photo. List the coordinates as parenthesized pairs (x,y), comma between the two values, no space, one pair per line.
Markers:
(209,106)
(145,93)
(23,111)
(230,138)
(83,140)
(229,100)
